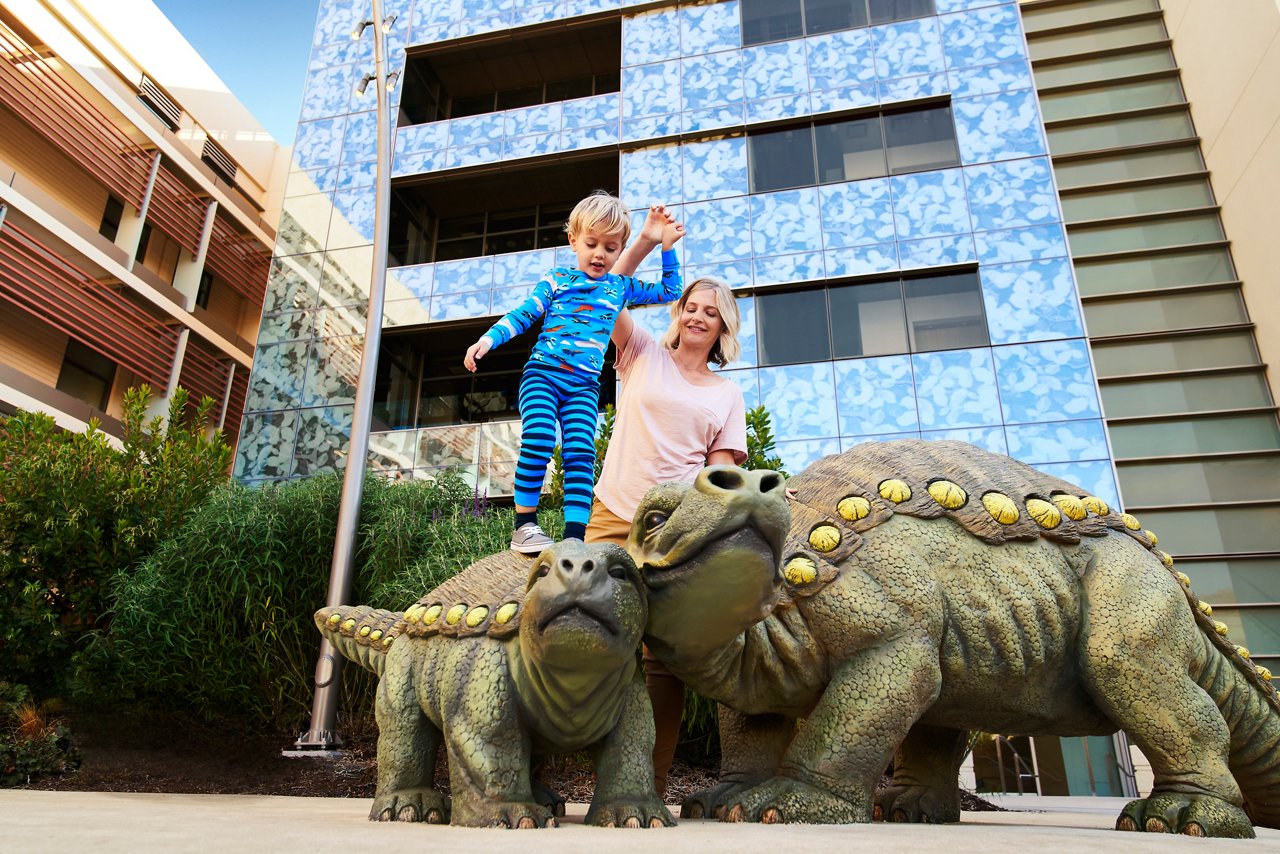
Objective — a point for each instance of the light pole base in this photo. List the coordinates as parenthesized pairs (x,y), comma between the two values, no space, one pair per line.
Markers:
(319,744)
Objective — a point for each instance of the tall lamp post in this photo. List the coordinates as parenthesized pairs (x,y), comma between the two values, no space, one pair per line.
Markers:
(322,738)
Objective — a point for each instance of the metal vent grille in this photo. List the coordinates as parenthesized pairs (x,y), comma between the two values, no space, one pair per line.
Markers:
(160,103)
(216,156)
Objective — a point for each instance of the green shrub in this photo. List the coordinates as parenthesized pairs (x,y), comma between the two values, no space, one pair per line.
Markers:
(75,509)
(33,742)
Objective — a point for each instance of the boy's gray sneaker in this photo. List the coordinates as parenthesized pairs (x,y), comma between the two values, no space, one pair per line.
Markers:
(529,539)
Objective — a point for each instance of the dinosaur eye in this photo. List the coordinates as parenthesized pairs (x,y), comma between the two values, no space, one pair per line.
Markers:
(543,570)
(653,521)
(618,571)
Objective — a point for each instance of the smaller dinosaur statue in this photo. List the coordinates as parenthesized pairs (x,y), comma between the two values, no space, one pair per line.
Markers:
(509,661)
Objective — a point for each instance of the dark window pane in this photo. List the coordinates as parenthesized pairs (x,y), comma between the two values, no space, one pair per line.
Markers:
(464,226)
(945,312)
(781,159)
(86,375)
(793,327)
(111,216)
(884,11)
(608,82)
(511,220)
(850,150)
(516,241)
(525,96)
(564,90)
(770,20)
(825,16)
(452,250)
(921,139)
(868,320)
(554,215)
(471,106)
(550,237)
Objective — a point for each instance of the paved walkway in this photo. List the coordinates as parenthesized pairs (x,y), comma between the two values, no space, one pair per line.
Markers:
(92,822)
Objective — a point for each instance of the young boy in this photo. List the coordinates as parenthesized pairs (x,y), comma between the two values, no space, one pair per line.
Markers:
(561,381)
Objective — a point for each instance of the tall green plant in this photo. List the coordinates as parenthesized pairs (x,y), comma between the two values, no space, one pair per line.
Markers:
(760,441)
(75,508)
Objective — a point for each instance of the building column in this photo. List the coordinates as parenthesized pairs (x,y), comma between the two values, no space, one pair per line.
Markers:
(129,234)
(186,278)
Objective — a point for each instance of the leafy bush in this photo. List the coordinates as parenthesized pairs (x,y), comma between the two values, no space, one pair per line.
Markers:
(33,742)
(76,509)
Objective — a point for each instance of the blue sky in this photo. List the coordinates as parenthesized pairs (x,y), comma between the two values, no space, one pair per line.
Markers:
(259,48)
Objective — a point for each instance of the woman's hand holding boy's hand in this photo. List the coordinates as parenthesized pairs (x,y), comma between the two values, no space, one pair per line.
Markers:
(671,234)
(657,219)
(474,353)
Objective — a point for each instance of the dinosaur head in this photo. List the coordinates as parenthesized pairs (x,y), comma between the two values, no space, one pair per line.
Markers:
(584,609)
(709,554)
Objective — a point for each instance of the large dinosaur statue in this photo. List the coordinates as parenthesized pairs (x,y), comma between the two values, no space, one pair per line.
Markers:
(510,660)
(916,591)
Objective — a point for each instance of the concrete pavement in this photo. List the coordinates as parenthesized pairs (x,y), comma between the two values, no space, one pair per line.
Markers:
(33,821)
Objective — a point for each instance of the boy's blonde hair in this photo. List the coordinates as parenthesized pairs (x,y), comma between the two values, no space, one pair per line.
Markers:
(727,347)
(603,212)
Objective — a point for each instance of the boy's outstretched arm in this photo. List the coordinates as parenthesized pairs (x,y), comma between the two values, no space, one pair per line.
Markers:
(650,236)
(511,324)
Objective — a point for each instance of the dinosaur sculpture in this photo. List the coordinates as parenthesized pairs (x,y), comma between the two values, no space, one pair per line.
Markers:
(510,660)
(916,591)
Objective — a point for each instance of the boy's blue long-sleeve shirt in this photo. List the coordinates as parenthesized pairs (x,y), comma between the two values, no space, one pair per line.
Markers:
(580,313)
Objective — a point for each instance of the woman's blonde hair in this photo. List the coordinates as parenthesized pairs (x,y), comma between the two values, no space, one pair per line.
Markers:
(602,211)
(726,349)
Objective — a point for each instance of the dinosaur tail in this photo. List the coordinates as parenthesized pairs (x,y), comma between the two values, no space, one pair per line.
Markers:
(1248,701)
(361,633)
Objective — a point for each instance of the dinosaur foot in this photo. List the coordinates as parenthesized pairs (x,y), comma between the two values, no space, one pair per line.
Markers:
(1194,815)
(549,798)
(918,805)
(786,801)
(641,812)
(426,805)
(711,802)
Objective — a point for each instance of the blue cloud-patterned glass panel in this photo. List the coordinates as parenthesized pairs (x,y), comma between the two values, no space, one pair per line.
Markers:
(292,283)
(735,274)
(711,81)
(722,229)
(506,299)
(1059,442)
(1096,478)
(328,92)
(714,169)
(467,274)
(911,88)
(542,119)
(651,36)
(352,221)
(857,213)
(848,442)
(796,456)
(844,98)
(837,60)
(749,381)
(653,173)
(955,389)
(747,357)
(475,130)
(323,438)
(474,26)
(530,146)
(801,399)
(523,16)
(315,181)
(651,90)
(945,6)
(983,37)
(352,175)
(861,260)
(522,269)
(988,438)
(876,396)
(278,374)
(908,48)
(329,55)
(417,164)
(341,321)
(345,280)
(715,118)
(596,137)
(287,326)
(361,142)
(589,112)
(573,8)
(265,449)
(785,222)
(929,204)
(936,251)
(406,312)
(333,364)
(1011,194)
(319,144)
(1021,244)
(1049,381)
(652,319)
(709,27)
(414,139)
(461,306)
(998,127)
(304,224)
(473,155)
(771,70)
(435,12)
(772,109)
(651,127)
(1031,301)
(989,79)
(780,269)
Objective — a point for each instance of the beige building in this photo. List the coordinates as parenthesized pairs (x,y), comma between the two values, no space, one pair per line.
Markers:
(138,202)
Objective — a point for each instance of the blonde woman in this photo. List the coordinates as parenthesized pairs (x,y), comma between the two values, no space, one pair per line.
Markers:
(675,416)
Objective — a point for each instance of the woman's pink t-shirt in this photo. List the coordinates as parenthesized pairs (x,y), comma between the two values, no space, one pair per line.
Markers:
(666,425)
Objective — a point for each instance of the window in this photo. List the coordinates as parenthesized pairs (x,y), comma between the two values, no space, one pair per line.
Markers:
(776,20)
(141,252)
(852,149)
(203,291)
(539,68)
(846,321)
(86,375)
(111,216)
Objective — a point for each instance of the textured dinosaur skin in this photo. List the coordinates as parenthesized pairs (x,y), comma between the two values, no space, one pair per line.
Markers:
(915,591)
(511,660)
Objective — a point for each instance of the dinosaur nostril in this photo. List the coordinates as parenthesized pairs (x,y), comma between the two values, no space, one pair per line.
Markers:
(726,478)
(587,566)
(566,565)
(770,482)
